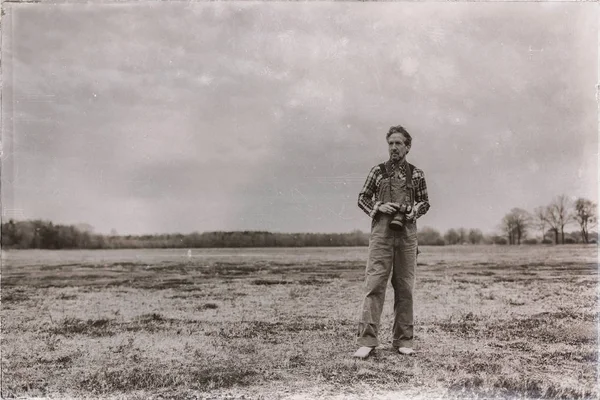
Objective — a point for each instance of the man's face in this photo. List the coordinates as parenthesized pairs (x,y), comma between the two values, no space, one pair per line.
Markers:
(397,147)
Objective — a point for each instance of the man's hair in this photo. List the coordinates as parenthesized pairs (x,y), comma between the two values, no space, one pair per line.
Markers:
(400,129)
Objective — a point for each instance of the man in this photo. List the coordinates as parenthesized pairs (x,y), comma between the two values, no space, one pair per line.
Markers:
(393,189)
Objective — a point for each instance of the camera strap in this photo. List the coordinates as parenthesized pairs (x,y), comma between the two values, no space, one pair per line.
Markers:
(385,175)
(409,184)
(384,172)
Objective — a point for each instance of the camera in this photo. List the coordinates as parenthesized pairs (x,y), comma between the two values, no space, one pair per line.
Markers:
(400,218)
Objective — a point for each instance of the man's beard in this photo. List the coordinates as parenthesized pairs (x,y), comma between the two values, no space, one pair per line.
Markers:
(396,158)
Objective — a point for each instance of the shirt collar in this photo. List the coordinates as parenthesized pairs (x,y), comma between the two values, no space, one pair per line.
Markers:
(400,166)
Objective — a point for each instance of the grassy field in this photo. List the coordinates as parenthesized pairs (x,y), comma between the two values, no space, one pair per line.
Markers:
(491,322)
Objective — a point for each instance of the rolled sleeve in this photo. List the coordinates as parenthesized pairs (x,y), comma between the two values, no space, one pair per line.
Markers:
(366,201)
(375,208)
(421,195)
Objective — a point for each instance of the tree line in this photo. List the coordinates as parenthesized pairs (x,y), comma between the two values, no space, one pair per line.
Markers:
(551,220)
(431,237)
(516,227)
(39,234)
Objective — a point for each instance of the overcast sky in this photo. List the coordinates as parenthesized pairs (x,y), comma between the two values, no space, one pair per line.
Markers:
(180,117)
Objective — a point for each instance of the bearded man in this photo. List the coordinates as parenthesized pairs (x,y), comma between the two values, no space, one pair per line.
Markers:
(394,196)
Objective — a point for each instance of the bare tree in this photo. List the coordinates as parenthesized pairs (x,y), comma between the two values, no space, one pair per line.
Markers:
(475,236)
(508,227)
(552,220)
(463,234)
(452,237)
(540,220)
(430,237)
(521,221)
(558,216)
(585,215)
(515,225)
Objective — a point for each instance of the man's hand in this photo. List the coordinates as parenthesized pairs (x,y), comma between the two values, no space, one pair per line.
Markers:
(388,208)
(411,216)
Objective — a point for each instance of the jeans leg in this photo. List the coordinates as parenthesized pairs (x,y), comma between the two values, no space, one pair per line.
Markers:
(403,282)
(378,270)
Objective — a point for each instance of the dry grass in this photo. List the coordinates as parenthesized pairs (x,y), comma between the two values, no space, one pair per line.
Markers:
(492,322)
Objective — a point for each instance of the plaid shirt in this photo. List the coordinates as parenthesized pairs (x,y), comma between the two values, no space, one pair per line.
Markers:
(367,198)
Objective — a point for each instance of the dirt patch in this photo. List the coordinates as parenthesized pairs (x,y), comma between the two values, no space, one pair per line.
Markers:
(13,296)
(481,273)
(207,306)
(91,327)
(167,377)
(267,282)
(255,329)
(64,296)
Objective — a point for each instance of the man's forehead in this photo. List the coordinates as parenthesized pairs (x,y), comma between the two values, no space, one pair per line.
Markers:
(396,136)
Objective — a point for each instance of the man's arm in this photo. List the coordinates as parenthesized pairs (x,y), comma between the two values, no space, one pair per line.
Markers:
(421,196)
(365,197)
